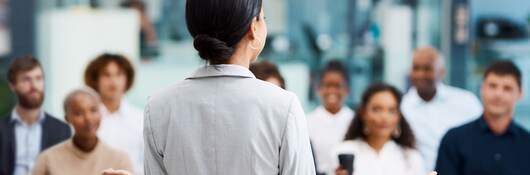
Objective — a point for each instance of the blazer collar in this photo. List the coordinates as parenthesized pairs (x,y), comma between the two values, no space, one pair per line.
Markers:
(222,70)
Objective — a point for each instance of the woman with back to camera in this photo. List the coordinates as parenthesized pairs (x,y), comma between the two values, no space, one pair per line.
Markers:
(379,137)
(222,120)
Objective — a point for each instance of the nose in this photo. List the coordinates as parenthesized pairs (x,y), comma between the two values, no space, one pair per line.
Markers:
(35,84)
(498,92)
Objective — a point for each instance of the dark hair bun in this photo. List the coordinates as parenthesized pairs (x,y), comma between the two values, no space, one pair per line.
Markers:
(212,49)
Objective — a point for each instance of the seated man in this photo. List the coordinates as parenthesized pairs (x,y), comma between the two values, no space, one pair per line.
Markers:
(492,144)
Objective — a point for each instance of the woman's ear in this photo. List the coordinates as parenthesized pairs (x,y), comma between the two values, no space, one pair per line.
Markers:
(253,28)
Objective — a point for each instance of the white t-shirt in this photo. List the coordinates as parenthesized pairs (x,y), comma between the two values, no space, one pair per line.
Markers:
(123,130)
(327,130)
(391,160)
(430,121)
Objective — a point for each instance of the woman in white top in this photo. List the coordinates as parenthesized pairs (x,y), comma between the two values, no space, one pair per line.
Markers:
(112,76)
(222,120)
(379,137)
(329,122)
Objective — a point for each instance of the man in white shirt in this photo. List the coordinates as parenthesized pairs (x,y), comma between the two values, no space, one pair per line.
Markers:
(431,107)
(121,124)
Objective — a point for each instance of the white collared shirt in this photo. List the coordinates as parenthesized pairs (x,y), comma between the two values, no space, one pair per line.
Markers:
(430,121)
(123,130)
(392,159)
(327,130)
(28,142)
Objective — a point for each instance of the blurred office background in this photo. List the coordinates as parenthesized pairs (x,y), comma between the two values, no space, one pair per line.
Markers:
(374,37)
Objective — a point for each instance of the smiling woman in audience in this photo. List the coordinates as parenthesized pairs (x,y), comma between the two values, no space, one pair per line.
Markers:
(329,122)
(379,137)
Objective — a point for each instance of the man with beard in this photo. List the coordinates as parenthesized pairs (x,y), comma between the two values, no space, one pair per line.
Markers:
(432,107)
(28,130)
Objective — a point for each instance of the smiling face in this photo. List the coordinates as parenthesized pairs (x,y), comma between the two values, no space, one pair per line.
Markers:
(333,91)
(427,69)
(82,112)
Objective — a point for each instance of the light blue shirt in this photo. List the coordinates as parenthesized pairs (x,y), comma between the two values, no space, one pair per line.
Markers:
(28,142)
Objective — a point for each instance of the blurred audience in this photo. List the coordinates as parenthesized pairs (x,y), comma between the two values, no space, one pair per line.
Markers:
(493,144)
(148,36)
(329,122)
(433,107)
(84,153)
(379,137)
(29,129)
(269,72)
(122,124)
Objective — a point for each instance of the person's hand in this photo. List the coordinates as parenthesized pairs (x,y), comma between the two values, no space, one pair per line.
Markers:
(341,171)
(116,172)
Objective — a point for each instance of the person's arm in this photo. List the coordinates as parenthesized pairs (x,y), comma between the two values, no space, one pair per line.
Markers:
(125,163)
(448,161)
(116,172)
(295,150)
(40,165)
(153,160)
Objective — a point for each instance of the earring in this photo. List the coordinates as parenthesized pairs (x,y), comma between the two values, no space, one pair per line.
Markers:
(254,47)
(366,131)
(397,133)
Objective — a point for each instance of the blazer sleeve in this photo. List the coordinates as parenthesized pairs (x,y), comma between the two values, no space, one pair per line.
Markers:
(295,151)
(153,160)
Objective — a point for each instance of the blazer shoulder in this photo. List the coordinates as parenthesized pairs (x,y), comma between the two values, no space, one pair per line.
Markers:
(5,119)
(268,89)
(56,124)
(4,122)
(54,121)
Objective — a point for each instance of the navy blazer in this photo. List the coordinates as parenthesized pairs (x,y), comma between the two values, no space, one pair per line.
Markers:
(53,131)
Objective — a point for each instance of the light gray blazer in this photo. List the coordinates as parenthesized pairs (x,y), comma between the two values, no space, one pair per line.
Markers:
(224,121)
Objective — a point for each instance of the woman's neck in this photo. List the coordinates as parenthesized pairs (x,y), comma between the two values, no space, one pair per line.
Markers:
(242,56)
(112,105)
(85,144)
(239,60)
(377,143)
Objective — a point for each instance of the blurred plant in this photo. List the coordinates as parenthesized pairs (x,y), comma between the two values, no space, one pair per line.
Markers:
(7,100)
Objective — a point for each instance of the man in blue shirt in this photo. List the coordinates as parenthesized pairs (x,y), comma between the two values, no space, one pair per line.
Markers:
(492,144)
(28,130)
